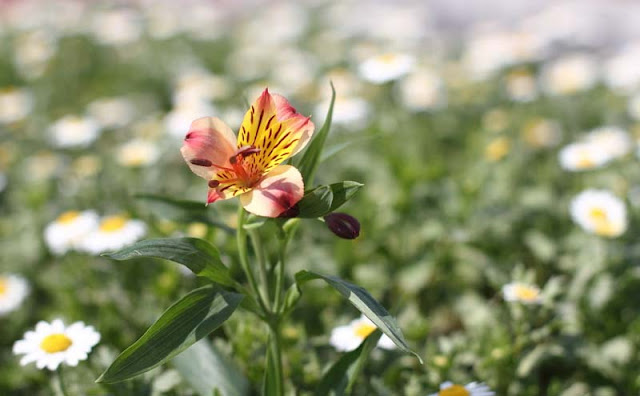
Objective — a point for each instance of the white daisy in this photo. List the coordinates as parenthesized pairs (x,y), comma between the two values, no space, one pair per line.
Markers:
(521,86)
(177,121)
(51,344)
(387,67)
(471,389)
(522,292)
(74,131)
(569,75)
(113,112)
(614,141)
(599,212)
(15,104)
(621,73)
(350,111)
(117,27)
(68,230)
(582,156)
(349,337)
(633,107)
(137,153)
(541,133)
(13,290)
(422,90)
(114,232)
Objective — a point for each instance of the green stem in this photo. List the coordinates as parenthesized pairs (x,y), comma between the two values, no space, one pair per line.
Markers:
(276,348)
(284,243)
(63,388)
(256,241)
(241,239)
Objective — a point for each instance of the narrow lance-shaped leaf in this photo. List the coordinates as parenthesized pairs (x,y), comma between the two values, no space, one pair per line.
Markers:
(339,379)
(325,199)
(205,368)
(201,257)
(311,158)
(365,303)
(193,317)
(182,211)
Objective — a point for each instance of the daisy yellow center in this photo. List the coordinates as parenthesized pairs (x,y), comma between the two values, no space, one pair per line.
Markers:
(55,343)
(585,162)
(362,330)
(113,223)
(4,285)
(454,390)
(68,217)
(387,58)
(497,149)
(526,293)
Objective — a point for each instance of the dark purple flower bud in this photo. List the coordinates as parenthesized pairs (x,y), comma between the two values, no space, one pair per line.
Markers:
(343,225)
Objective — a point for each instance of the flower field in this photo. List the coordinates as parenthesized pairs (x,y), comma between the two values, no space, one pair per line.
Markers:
(319,198)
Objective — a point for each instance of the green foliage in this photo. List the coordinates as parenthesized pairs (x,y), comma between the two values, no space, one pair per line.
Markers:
(198,255)
(344,373)
(323,200)
(191,318)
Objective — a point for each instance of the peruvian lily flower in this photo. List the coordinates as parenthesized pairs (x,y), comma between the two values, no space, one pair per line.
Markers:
(250,166)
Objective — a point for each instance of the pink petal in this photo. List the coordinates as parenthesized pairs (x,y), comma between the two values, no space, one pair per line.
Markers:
(209,142)
(299,124)
(278,191)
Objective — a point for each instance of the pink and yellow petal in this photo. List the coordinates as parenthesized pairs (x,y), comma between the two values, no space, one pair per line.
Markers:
(209,143)
(301,127)
(273,126)
(277,192)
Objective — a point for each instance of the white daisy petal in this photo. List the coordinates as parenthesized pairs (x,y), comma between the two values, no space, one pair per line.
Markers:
(52,344)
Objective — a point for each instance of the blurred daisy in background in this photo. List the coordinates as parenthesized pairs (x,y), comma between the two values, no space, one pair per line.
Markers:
(137,153)
(599,212)
(422,90)
(582,156)
(521,86)
(633,107)
(621,72)
(33,51)
(52,344)
(497,149)
(113,112)
(74,131)
(113,233)
(542,133)
(521,292)
(15,104)
(68,230)
(350,111)
(116,26)
(569,75)
(13,290)
(386,67)
(614,141)
(177,121)
(471,389)
(349,337)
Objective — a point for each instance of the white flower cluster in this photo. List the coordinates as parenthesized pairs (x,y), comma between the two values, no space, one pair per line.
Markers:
(87,232)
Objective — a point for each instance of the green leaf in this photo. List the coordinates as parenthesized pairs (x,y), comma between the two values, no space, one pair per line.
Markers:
(325,199)
(344,373)
(365,303)
(181,210)
(311,158)
(193,317)
(201,257)
(206,369)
